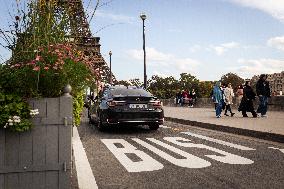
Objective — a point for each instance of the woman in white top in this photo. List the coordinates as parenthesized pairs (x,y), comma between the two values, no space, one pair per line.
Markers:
(228,94)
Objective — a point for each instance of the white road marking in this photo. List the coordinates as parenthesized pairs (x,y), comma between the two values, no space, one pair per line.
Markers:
(281,150)
(240,147)
(190,160)
(165,127)
(86,179)
(225,158)
(147,163)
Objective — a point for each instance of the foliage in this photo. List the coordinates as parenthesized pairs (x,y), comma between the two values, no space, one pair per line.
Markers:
(43,60)
(78,104)
(205,88)
(232,78)
(167,87)
(188,81)
(163,87)
(15,113)
(136,82)
(122,82)
(45,75)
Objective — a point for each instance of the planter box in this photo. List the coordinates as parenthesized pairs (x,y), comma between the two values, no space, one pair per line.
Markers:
(40,158)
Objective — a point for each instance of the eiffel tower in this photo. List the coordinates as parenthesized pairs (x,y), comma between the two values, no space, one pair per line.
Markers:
(81,35)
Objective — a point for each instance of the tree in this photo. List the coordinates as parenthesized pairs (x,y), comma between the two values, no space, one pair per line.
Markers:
(163,87)
(205,88)
(136,82)
(189,82)
(122,82)
(232,78)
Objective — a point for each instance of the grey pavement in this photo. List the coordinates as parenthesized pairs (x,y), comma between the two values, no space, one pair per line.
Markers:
(138,158)
(272,125)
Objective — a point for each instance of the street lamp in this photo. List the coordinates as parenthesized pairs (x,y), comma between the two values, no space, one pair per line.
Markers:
(143,17)
(110,74)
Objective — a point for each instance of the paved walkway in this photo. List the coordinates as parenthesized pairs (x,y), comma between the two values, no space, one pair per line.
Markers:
(274,123)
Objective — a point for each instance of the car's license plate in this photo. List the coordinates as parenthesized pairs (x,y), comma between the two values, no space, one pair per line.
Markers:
(138,106)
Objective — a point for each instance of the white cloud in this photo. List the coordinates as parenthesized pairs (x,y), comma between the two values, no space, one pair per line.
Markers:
(273,7)
(277,42)
(251,67)
(151,53)
(115,17)
(186,65)
(167,63)
(230,45)
(158,73)
(221,49)
(195,48)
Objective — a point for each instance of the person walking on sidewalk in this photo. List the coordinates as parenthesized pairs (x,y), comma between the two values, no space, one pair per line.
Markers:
(193,97)
(239,94)
(228,94)
(218,98)
(247,101)
(263,93)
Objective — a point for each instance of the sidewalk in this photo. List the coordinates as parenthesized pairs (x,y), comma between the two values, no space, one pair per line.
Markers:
(270,128)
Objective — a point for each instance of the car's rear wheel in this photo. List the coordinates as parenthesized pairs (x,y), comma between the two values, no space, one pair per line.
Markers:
(100,125)
(154,126)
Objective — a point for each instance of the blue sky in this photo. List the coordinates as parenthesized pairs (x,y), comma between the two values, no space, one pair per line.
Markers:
(207,38)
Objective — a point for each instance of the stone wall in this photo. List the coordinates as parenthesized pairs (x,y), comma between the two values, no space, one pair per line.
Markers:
(276,103)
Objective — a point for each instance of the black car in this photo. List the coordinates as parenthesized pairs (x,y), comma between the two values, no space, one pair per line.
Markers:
(127,105)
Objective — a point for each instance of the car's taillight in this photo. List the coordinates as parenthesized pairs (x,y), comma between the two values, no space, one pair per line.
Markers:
(156,103)
(113,103)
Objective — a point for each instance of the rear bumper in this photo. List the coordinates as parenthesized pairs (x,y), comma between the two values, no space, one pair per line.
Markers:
(143,117)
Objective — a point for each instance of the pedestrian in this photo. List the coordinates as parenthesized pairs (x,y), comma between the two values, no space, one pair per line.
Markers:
(189,99)
(223,99)
(263,93)
(247,101)
(183,97)
(239,94)
(193,97)
(228,94)
(178,97)
(218,98)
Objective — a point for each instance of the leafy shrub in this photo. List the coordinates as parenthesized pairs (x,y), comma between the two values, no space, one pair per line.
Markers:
(78,105)
(48,72)
(15,113)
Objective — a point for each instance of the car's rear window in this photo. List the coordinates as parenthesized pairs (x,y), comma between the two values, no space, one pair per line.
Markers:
(130,92)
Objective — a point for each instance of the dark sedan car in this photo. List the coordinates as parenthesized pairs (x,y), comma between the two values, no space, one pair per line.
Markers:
(127,105)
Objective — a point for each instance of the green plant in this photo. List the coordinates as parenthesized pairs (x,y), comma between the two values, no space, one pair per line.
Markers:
(43,62)
(47,73)
(78,105)
(15,113)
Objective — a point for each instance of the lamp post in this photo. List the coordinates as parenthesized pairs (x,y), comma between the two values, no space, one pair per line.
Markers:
(143,17)
(110,74)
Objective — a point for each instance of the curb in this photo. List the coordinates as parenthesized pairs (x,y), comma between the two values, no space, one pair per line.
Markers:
(245,132)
